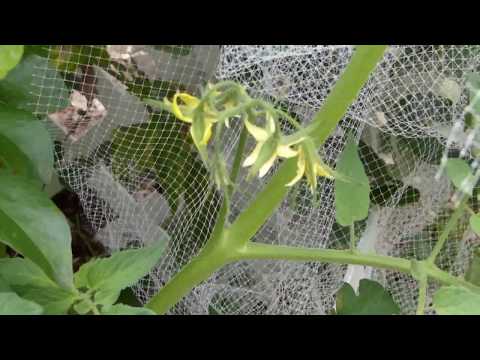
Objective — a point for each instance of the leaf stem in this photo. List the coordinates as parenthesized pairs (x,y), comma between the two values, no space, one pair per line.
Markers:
(212,257)
(254,251)
(452,221)
(422,295)
(91,305)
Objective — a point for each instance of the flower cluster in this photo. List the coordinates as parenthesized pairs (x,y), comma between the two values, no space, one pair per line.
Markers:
(217,106)
(202,131)
(270,146)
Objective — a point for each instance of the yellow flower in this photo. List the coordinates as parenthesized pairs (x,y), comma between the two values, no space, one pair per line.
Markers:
(310,164)
(269,147)
(184,112)
(201,133)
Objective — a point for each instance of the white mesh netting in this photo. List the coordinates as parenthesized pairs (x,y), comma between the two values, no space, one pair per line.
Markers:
(138,175)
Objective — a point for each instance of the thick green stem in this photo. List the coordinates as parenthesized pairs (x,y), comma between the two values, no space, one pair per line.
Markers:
(213,257)
(346,90)
(343,94)
(199,269)
(264,205)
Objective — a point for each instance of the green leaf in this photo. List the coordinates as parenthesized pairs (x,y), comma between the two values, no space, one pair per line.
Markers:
(32,225)
(54,300)
(18,126)
(14,162)
(4,285)
(458,171)
(23,272)
(106,297)
(31,283)
(10,56)
(121,309)
(122,269)
(455,300)
(372,299)
(352,198)
(12,304)
(16,89)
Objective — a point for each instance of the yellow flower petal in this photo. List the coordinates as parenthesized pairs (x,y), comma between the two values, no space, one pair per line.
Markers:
(264,169)
(189,100)
(286,152)
(300,171)
(324,171)
(208,134)
(258,133)
(191,103)
(311,177)
(177,112)
(250,160)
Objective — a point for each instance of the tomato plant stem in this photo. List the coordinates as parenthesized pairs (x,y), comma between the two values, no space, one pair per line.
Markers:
(227,243)
(452,221)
